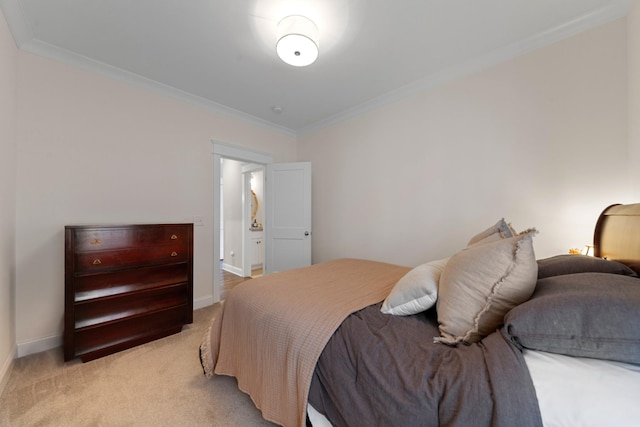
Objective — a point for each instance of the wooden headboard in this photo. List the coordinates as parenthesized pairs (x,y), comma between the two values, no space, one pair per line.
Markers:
(617,235)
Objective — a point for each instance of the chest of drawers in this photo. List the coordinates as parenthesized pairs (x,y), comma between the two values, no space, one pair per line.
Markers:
(125,285)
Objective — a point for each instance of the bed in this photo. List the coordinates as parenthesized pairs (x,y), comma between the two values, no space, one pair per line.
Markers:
(488,336)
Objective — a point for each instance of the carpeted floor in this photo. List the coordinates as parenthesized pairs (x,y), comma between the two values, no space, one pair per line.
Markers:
(156,384)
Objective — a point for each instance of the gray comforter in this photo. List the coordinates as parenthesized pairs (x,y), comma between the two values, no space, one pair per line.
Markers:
(383,370)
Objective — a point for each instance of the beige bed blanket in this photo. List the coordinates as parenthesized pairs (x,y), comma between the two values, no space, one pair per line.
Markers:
(271,330)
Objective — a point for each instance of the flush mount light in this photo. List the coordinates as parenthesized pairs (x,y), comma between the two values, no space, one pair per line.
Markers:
(297,41)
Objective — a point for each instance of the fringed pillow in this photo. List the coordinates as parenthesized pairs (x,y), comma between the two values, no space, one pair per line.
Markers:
(481,283)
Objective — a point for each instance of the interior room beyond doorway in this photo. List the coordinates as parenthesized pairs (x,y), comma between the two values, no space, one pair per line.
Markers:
(241,214)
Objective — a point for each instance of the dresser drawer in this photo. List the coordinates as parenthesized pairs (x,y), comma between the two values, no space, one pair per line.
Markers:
(99,285)
(106,260)
(101,239)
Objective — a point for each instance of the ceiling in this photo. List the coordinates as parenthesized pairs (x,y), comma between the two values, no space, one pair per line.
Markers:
(221,53)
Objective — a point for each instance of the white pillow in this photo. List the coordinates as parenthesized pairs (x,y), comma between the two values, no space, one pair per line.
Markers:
(481,283)
(416,291)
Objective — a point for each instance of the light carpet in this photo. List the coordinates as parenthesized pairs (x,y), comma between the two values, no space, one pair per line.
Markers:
(156,384)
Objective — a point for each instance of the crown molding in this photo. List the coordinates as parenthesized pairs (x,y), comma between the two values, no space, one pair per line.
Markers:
(40,48)
(26,41)
(593,19)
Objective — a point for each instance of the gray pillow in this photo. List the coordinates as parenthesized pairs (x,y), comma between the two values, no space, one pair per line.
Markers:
(593,315)
(567,264)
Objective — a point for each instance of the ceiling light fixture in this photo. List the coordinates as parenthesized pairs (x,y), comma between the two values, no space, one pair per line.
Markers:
(297,41)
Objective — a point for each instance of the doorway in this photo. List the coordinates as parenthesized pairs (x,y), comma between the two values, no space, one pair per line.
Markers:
(243,156)
(241,213)
(287,203)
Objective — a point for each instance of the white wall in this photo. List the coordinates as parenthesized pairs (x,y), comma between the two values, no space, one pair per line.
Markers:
(94,150)
(540,140)
(8,67)
(633,53)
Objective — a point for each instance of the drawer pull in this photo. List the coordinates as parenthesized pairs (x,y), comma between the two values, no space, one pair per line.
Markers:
(174,253)
(97,261)
(174,237)
(96,241)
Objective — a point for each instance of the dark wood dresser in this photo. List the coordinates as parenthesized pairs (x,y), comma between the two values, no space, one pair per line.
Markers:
(125,285)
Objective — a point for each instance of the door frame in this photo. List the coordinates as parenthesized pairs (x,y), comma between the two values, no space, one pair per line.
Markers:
(222,150)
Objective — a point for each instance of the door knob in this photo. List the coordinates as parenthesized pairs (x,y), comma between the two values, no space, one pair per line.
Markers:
(306,233)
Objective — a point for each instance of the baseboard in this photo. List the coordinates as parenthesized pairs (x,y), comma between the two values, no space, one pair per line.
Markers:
(44,344)
(203,302)
(39,345)
(231,269)
(6,369)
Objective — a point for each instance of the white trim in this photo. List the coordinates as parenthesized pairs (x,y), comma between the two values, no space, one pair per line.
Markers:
(232,269)
(46,50)
(25,40)
(39,345)
(246,224)
(216,221)
(593,19)
(202,302)
(243,154)
(55,341)
(5,371)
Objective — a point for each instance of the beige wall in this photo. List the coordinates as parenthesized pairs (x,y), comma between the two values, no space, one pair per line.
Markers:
(94,150)
(633,53)
(540,140)
(8,63)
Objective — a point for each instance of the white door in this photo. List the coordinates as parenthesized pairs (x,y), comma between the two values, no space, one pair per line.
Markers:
(287,227)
